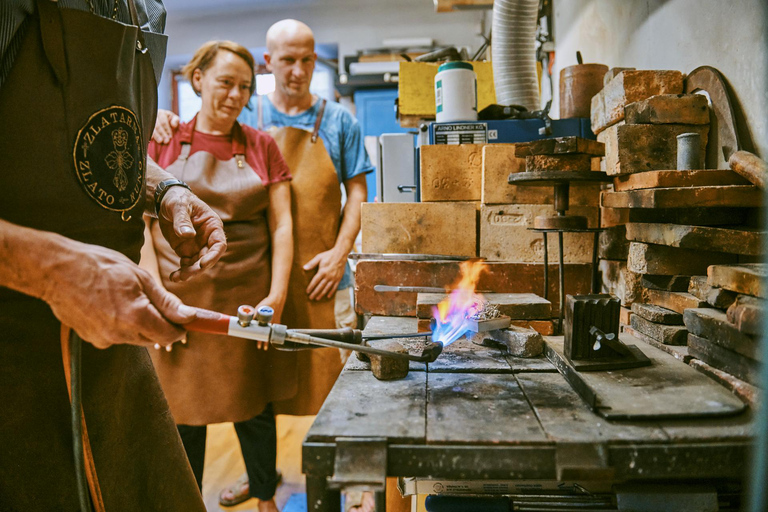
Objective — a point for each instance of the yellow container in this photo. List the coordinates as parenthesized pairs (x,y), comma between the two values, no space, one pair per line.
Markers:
(416,87)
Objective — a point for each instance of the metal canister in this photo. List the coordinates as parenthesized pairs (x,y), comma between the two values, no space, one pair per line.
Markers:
(577,86)
(689,152)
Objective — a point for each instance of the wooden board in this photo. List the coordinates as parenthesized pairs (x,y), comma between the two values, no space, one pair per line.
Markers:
(517,306)
(694,216)
(668,109)
(746,278)
(463,356)
(721,358)
(498,276)
(560,146)
(678,352)
(713,325)
(629,86)
(360,405)
(729,196)
(566,418)
(734,241)
(666,389)
(657,314)
(672,261)
(645,147)
(567,162)
(465,408)
(667,283)
(676,301)
(447,228)
(666,334)
(460,5)
(667,179)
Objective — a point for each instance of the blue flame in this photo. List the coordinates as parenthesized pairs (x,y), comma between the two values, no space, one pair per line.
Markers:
(456,322)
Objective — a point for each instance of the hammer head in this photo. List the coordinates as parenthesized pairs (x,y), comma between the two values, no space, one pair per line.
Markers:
(431,351)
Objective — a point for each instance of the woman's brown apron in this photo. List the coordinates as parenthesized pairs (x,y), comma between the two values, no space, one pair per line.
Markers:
(76,112)
(316,211)
(215,379)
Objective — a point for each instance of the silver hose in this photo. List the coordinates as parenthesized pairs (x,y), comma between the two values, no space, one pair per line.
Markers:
(513,51)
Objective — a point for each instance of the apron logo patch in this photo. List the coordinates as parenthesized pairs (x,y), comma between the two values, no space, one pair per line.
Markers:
(109,160)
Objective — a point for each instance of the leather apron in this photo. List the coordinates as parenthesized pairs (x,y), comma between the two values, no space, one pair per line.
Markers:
(76,112)
(216,379)
(316,211)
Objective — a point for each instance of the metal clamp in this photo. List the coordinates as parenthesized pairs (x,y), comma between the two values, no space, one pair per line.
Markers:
(360,462)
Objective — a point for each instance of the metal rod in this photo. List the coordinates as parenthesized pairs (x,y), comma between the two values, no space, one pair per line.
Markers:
(76,402)
(396,336)
(312,340)
(546,268)
(595,247)
(562,282)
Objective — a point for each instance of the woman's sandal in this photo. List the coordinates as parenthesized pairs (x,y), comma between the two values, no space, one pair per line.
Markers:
(240,491)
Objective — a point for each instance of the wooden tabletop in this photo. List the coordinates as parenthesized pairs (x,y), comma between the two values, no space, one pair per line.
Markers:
(477,413)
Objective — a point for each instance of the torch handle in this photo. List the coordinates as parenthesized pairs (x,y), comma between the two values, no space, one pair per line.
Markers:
(210,322)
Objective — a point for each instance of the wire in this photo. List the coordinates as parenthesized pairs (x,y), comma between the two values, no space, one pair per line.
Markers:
(76,402)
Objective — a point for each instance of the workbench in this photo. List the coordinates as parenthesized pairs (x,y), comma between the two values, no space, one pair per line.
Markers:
(478,414)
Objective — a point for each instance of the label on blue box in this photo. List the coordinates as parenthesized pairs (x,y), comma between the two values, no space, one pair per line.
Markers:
(464,133)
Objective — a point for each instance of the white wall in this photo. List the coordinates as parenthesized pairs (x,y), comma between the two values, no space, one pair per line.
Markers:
(352,24)
(674,34)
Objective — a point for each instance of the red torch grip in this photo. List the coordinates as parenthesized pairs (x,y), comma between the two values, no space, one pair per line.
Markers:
(210,322)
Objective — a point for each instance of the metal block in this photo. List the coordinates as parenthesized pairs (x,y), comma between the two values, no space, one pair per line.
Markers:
(361,462)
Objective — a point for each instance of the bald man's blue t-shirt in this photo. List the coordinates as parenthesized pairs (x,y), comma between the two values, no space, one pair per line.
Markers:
(339,131)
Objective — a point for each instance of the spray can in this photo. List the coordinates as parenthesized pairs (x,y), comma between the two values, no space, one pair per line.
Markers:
(455,92)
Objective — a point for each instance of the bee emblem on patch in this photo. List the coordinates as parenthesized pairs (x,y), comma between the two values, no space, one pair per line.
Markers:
(109,158)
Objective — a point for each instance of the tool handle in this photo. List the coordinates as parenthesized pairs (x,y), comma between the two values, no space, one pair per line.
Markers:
(749,166)
(210,322)
(345,335)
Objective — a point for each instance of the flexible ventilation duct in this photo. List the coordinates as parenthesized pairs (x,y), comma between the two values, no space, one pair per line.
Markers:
(513,51)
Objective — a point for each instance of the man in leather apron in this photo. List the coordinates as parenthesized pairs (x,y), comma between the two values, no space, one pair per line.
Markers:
(78,98)
(322,144)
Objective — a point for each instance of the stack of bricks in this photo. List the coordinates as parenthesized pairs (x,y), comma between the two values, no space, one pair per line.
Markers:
(677,223)
(469,210)
(725,335)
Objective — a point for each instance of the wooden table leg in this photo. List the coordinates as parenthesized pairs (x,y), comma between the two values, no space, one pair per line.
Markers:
(319,497)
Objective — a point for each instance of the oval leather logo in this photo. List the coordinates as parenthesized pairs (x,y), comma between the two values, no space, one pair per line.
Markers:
(109,158)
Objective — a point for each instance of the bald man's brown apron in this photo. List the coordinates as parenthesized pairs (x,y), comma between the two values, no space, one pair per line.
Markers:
(76,112)
(216,379)
(316,211)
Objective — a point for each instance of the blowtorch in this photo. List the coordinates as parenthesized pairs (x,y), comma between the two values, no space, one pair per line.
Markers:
(255,324)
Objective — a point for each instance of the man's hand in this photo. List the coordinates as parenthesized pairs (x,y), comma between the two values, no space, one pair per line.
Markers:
(107,299)
(330,269)
(194,231)
(166,125)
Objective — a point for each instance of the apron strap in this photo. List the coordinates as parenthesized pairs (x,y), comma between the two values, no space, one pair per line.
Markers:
(52,34)
(319,120)
(259,114)
(90,466)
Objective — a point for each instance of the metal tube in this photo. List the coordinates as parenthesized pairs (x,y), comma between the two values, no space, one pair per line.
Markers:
(689,152)
(76,402)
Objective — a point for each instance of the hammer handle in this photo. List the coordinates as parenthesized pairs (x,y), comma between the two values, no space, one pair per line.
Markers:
(750,166)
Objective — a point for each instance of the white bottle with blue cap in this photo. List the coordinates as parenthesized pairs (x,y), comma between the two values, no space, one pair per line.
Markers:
(455,92)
